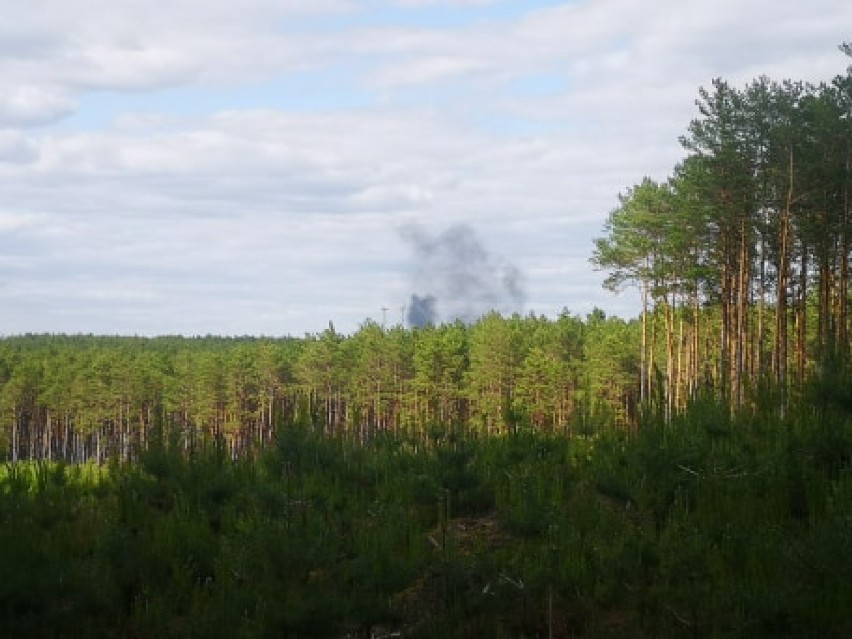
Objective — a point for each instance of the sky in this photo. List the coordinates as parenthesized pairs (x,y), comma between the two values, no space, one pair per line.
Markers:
(260,168)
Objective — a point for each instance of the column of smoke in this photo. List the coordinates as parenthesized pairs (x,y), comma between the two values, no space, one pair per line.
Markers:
(456,278)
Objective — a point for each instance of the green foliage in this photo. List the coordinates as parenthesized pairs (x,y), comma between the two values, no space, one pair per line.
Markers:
(98,398)
(742,257)
(708,524)
(518,477)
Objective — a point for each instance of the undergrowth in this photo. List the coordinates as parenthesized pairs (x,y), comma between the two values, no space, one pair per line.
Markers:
(708,525)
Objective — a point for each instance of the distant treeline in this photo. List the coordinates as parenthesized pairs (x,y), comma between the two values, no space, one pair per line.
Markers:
(90,398)
(79,398)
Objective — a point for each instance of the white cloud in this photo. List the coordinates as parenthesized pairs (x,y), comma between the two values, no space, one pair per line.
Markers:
(250,218)
(25,105)
(54,50)
(281,209)
(15,148)
(445,3)
(10,221)
(430,69)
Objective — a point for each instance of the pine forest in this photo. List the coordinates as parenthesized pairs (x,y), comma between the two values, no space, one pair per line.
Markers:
(684,473)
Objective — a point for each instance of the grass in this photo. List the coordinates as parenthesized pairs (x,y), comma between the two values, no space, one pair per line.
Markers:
(710,526)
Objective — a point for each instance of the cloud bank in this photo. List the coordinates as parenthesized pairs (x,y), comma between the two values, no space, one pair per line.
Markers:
(199,167)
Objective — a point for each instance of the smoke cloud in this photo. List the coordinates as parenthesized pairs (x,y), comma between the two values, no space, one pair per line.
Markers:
(456,278)
(421,311)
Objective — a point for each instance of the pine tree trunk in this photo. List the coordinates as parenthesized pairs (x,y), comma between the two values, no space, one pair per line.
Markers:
(761,315)
(679,366)
(670,359)
(644,370)
(742,306)
(802,318)
(843,301)
(15,433)
(725,335)
(696,346)
(780,355)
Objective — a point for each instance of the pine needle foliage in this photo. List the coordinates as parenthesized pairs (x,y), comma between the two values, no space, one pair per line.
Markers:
(708,524)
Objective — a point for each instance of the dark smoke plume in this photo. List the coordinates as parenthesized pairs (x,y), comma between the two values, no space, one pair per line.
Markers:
(454,273)
(421,311)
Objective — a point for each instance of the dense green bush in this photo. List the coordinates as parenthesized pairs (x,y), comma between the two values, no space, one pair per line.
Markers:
(708,525)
